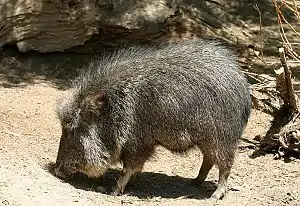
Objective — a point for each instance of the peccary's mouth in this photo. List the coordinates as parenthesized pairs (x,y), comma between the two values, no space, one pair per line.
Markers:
(64,171)
(93,172)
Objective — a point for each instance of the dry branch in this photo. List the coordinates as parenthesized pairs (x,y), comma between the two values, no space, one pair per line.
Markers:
(284,84)
(283,137)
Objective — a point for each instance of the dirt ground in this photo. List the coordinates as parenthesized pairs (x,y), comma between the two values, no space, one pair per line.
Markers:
(31,83)
(29,139)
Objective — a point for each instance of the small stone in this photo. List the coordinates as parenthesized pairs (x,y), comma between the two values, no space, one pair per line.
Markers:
(257,138)
(236,189)
(5,202)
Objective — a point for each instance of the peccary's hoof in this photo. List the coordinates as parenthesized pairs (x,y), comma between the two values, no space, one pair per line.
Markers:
(114,193)
(117,192)
(218,195)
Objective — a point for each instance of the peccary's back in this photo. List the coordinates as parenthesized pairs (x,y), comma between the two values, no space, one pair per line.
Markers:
(176,95)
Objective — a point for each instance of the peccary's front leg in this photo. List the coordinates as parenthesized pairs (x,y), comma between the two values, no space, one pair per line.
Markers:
(133,163)
(127,174)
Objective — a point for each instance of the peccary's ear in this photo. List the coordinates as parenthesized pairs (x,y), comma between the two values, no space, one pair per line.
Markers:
(95,101)
(100,97)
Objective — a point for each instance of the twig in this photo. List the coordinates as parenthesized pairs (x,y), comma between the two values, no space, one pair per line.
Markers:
(281,17)
(260,32)
(282,142)
(291,98)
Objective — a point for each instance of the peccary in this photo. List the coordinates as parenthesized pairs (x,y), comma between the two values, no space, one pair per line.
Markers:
(180,96)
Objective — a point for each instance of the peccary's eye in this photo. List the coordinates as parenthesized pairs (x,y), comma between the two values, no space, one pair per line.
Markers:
(67,123)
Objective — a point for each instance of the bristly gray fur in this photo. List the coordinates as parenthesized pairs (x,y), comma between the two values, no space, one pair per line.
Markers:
(178,95)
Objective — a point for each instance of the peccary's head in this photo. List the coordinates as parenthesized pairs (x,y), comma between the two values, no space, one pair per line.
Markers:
(86,143)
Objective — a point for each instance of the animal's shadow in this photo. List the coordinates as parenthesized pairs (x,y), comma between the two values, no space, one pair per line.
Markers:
(147,185)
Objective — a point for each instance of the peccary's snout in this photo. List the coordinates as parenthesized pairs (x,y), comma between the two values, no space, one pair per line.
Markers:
(61,172)
(66,171)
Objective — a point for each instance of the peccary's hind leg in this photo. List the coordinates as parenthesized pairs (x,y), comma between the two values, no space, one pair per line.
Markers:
(222,184)
(224,172)
(207,164)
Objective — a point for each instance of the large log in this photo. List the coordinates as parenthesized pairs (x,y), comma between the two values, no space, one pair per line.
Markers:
(57,25)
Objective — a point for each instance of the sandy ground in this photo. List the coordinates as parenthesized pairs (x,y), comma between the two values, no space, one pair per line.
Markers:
(29,139)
